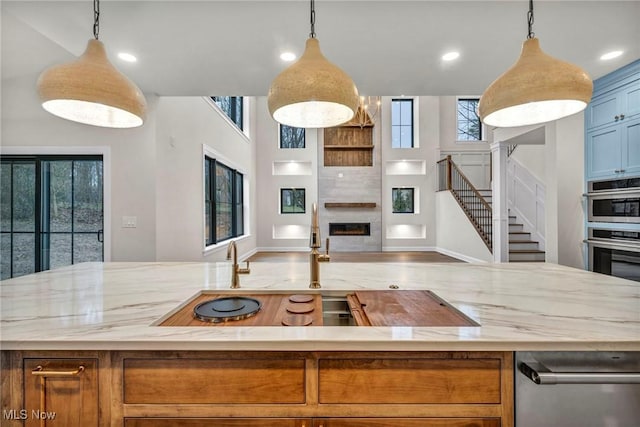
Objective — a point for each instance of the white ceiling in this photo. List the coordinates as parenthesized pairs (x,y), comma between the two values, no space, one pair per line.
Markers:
(390,47)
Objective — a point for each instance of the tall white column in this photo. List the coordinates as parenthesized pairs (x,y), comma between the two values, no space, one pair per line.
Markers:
(499,202)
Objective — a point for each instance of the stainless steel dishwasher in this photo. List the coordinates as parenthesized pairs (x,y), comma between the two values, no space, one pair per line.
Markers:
(577,389)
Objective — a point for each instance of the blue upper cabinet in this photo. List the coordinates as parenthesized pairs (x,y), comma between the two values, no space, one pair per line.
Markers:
(612,125)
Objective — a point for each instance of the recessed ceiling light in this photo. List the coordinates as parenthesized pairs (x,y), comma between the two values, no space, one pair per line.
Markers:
(611,55)
(287,56)
(450,56)
(127,57)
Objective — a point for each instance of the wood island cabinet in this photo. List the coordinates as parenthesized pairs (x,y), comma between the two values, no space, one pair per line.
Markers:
(262,388)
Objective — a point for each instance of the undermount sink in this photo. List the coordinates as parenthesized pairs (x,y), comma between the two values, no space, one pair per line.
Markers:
(336,312)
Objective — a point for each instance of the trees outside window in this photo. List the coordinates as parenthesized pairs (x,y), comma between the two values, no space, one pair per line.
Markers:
(292,200)
(223,202)
(402,200)
(469,126)
(232,107)
(291,137)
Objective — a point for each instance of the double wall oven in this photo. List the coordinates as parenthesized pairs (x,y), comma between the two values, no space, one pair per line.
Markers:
(613,232)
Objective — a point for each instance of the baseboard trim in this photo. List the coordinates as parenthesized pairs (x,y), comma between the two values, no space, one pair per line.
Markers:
(459,256)
(282,249)
(409,249)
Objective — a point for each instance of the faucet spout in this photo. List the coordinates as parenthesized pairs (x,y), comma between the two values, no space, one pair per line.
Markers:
(232,254)
(315,258)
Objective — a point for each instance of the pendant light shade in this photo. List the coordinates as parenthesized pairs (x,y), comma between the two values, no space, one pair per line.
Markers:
(92,91)
(536,89)
(313,92)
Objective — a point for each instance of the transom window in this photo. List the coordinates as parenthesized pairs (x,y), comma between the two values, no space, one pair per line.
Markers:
(224,210)
(232,107)
(402,123)
(468,121)
(291,137)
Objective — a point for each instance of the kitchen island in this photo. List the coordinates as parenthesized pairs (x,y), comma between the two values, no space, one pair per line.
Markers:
(105,317)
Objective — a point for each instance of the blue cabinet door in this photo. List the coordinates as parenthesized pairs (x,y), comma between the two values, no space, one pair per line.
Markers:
(630,100)
(602,110)
(604,152)
(631,147)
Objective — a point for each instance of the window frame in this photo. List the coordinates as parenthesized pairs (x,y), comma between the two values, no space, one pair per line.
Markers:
(235,102)
(238,222)
(413,199)
(457,124)
(42,231)
(304,201)
(304,137)
(411,126)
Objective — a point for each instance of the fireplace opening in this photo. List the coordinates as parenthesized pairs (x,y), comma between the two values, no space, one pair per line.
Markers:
(349,229)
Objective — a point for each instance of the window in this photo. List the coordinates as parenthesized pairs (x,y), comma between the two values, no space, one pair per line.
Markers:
(402,199)
(292,200)
(402,123)
(469,125)
(51,212)
(224,210)
(232,107)
(291,137)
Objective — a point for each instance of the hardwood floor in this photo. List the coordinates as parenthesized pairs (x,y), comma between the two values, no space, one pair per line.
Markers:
(355,257)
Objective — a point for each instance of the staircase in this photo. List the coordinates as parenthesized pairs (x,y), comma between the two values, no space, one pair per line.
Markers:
(477,205)
(521,247)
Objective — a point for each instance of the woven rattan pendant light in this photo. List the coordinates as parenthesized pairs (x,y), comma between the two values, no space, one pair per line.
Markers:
(536,89)
(92,91)
(313,92)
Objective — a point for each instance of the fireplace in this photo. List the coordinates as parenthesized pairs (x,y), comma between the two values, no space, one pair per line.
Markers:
(349,229)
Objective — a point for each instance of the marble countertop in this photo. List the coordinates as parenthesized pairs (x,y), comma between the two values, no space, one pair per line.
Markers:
(520,306)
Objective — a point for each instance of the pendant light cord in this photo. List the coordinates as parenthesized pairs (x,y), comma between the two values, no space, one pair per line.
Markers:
(530,21)
(313,20)
(96,18)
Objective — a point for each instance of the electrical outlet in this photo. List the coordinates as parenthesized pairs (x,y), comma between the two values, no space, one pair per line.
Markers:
(129,222)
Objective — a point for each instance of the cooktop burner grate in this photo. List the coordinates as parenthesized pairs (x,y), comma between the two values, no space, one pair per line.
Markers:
(226,309)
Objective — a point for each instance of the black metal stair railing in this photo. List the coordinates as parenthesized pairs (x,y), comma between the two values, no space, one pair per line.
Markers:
(475,206)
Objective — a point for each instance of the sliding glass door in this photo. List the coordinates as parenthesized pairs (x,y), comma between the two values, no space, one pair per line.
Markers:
(51,212)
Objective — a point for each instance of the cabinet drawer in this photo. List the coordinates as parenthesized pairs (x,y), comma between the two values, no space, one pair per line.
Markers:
(396,381)
(214,381)
(407,422)
(217,422)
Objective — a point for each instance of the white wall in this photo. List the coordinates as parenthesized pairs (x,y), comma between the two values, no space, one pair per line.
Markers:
(526,197)
(184,125)
(532,158)
(456,236)
(564,141)
(156,169)
(133,161)
(411,231)
(283,168)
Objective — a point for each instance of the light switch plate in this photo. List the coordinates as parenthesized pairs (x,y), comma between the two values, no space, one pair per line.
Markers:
(129,221)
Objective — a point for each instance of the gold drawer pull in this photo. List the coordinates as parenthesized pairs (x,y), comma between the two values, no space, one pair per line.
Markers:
(39,371)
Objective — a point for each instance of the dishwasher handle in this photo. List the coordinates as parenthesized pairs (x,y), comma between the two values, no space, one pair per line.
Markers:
(540,374)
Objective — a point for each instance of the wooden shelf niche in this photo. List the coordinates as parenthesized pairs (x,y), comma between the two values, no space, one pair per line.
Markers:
(349,144)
